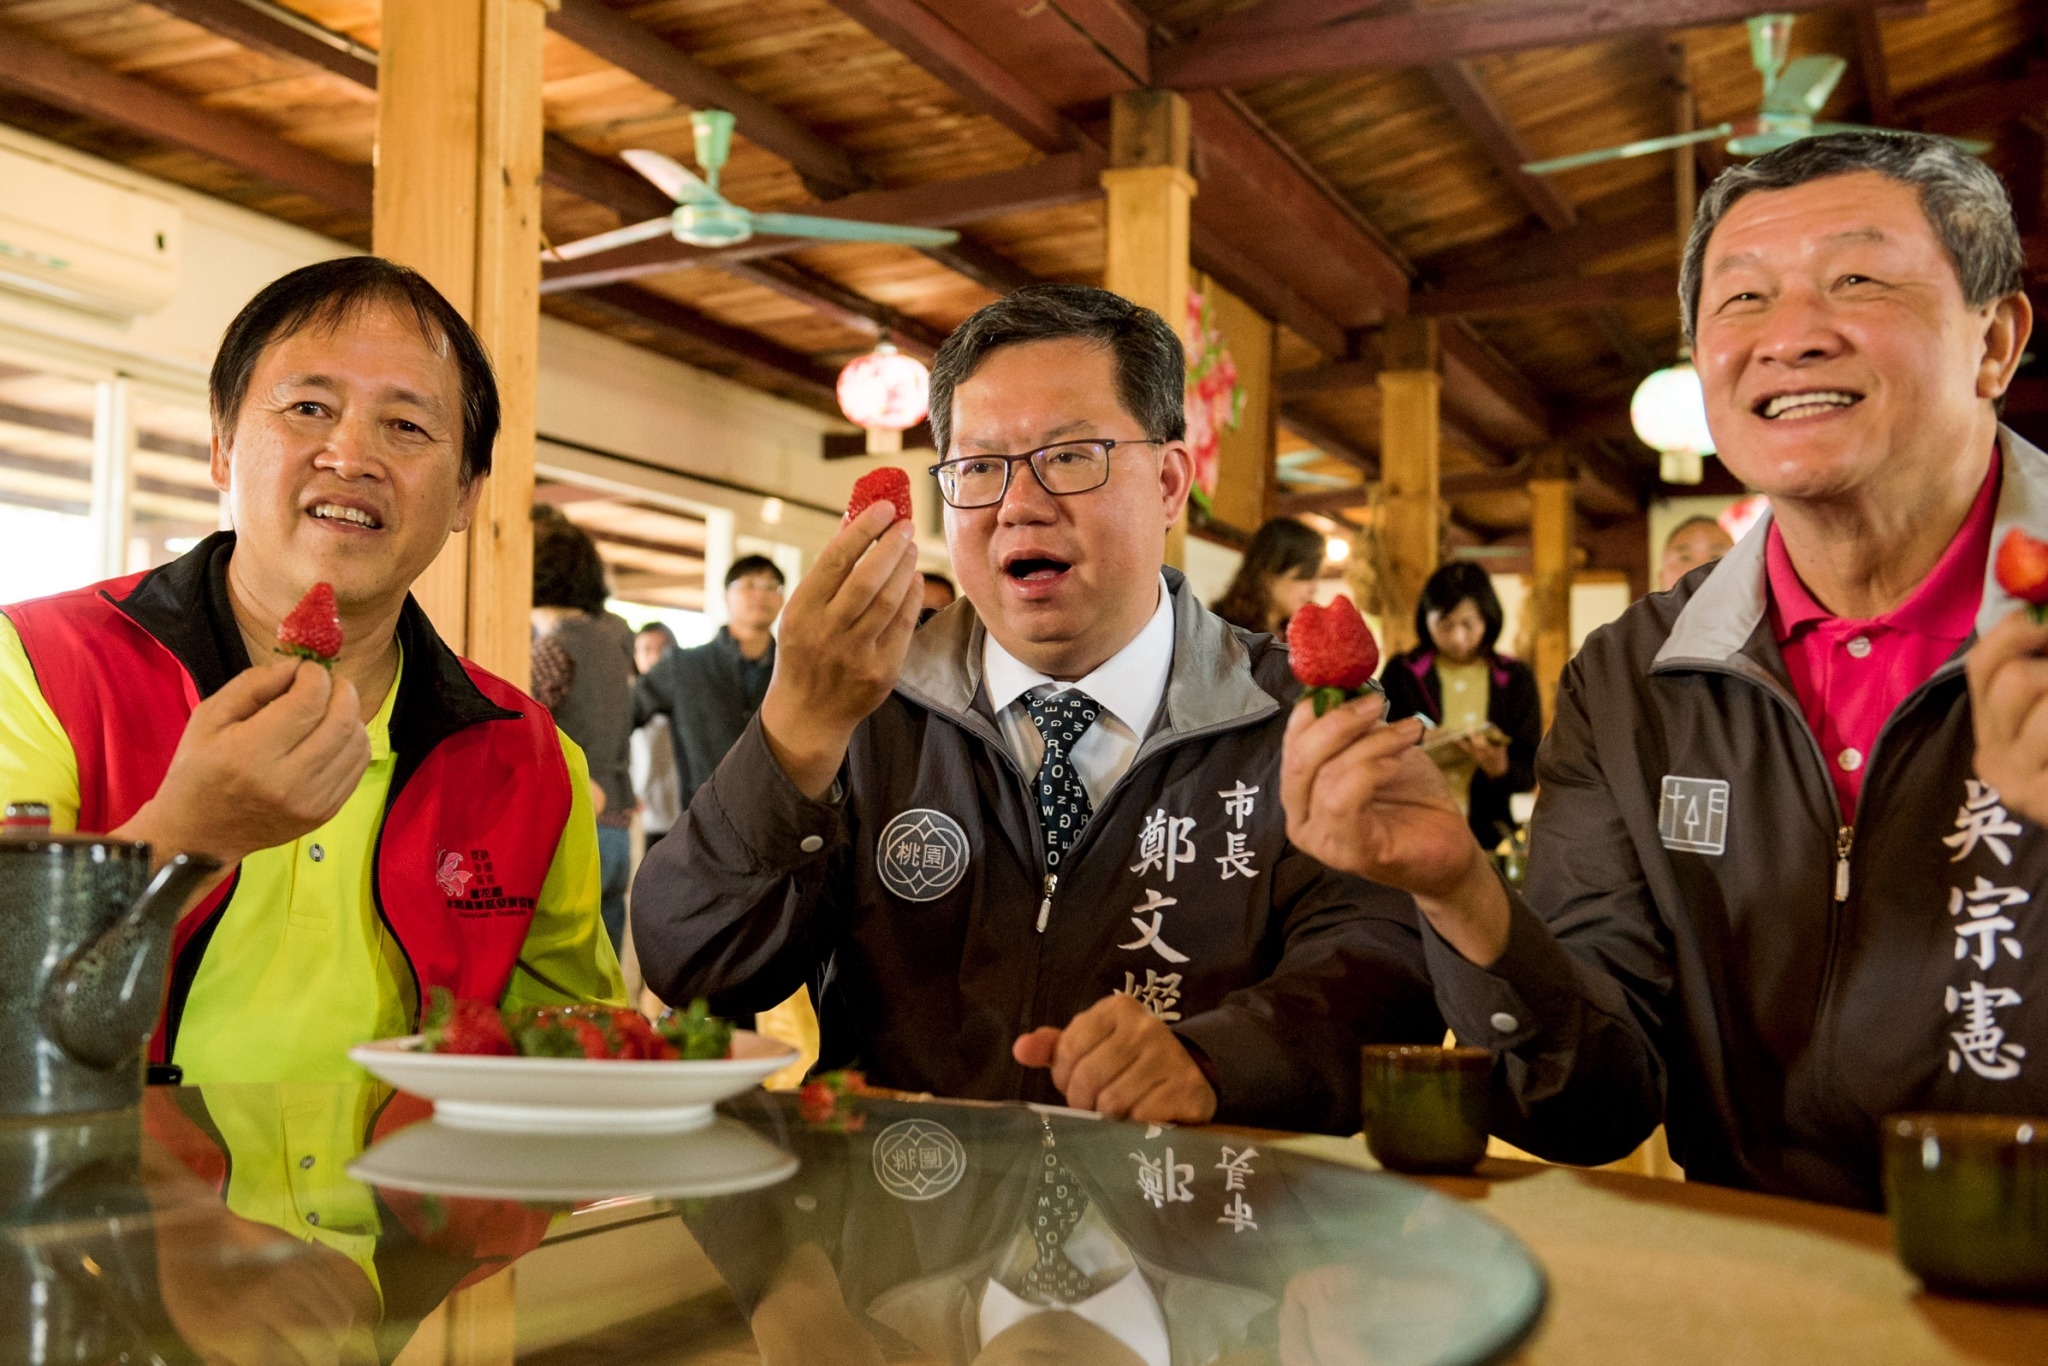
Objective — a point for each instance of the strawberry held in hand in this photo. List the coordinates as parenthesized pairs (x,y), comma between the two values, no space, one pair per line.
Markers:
(1333,653)
(312,630)
(2023,571)
(885,485)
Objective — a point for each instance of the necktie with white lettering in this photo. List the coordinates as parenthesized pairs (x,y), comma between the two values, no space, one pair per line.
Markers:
(1063,806)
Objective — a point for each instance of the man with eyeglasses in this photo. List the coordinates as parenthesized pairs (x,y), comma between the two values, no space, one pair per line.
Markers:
(1035,850)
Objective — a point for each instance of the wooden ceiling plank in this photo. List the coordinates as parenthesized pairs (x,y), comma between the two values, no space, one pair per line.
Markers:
(1556,295)
(1390,41)
(982,264)
(1070,178)
(1285,16)
(1329,440)
(1123,34)
(1982,107)
(825,168)
(58,77)
(1263,290)
(939,48)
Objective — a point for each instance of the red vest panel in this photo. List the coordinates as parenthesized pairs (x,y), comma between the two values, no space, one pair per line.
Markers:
(467,838)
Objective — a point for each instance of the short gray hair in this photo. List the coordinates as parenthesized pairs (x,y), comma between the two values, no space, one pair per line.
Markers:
(1151,367)
(1965,203)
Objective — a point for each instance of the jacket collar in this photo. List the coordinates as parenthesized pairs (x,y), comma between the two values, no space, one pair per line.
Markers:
(1726,611)
(1211,683)
(184,606)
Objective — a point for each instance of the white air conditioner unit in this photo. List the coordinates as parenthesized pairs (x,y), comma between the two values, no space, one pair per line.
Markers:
(80,240)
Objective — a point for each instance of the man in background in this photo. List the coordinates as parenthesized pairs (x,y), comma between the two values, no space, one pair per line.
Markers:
(938,596)
(653,751)
(710,693)
(1692,543)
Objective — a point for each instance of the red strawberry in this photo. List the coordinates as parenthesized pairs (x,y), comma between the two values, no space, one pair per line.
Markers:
(2023,569)
(1333,652)
(885,485)
(587,1034)
(312,630)
(472,1027)
(636,1038)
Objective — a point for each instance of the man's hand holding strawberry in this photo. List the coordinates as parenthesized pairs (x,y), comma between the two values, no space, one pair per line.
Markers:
(2008,672)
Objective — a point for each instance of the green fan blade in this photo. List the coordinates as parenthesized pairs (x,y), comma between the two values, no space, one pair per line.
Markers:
(1805,86)
(1769,140)
(1629,149)
(851,230)
(671,177)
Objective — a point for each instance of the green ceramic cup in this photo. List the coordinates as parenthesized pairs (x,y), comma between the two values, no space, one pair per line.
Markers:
(1426,1108)
(1968,1196)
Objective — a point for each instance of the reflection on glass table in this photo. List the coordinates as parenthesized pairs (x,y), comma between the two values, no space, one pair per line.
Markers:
(339,1223)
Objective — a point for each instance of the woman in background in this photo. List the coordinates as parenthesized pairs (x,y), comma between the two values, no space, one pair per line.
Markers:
(1486,707)
(583,673)
(1277,575)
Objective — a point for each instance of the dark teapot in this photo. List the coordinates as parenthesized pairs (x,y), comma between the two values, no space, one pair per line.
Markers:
(85,946)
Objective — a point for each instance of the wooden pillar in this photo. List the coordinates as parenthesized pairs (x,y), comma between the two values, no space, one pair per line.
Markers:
(1410,447)
(1550,554)
(458,199)
(1149,190)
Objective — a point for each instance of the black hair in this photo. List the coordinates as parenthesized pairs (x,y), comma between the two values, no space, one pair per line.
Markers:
(1151,367)
(657,628)
(1282,546)
(329,293)
(567,570)
(1964,200)
(1452,584)
(951,589)
(753,564)
(1689,523)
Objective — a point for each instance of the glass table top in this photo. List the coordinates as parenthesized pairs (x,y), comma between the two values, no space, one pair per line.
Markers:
(341,1223)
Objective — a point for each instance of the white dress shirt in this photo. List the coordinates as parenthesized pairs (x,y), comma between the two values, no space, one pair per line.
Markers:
(1129,685)
(1127,1310)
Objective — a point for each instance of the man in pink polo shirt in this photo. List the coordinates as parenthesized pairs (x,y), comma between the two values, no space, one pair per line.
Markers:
(1776,889)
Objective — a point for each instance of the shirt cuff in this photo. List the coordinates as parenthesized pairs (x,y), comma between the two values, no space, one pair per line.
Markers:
(1509,1004)
(778,825)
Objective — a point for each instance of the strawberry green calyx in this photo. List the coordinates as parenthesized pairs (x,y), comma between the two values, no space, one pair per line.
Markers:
(1328,698)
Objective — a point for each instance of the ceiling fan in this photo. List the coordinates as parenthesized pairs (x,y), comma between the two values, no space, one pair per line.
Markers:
(705,218)
(1794,92)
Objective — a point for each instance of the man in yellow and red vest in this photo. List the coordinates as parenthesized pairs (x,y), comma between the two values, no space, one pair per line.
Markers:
(401,822)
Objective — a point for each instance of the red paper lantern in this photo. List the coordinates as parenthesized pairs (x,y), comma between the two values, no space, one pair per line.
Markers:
(885,390)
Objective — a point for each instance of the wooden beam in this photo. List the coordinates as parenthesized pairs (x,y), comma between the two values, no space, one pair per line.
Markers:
(1264,290)
(1386,41)
(56,76)
(835,301)
(1326,500)
(1874,68)
(1548,296)
(982,264)
(1329,440)
(939,48)
(1982,108)
(1483,117)
(1071,178)
(825,168)
(600,180)
(1338,376)
(698,340)
(304,41)
(1284,16)
(458,199)
(1483,392)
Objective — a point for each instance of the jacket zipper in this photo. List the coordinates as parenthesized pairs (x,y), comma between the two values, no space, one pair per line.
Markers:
(1845,840)
(1052,882)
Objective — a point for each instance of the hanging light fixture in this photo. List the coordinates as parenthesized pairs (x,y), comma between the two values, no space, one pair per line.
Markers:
(886,393)
(1669,413)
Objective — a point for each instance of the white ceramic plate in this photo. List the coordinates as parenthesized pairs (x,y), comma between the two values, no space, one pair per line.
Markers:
(572,1095)
(724,1157)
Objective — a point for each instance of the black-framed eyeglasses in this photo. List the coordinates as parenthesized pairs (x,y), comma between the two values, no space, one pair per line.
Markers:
(1061,469)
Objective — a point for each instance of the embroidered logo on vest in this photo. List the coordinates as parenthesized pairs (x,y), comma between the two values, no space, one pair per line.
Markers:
(476,893)
(922,855)
(452,876)
(1692,815)
(916,1159)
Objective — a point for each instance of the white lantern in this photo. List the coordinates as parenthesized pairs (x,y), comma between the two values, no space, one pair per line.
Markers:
(1669,413)
(885,392)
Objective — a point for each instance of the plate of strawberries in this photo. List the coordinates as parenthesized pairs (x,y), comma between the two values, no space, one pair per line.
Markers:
(572,1069)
